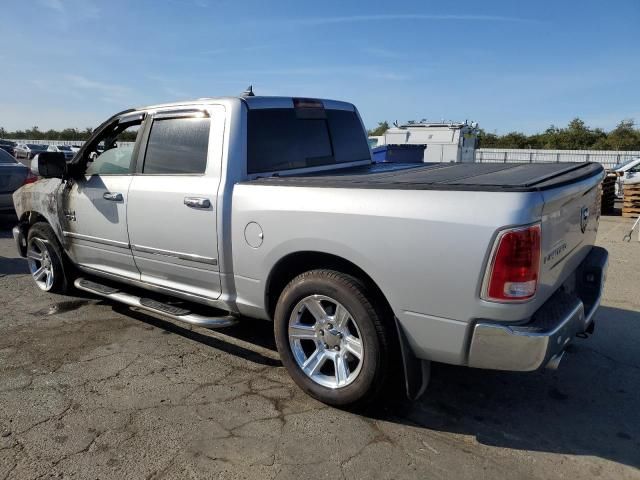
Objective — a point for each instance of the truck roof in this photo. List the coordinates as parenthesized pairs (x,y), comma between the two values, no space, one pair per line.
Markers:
(252,102)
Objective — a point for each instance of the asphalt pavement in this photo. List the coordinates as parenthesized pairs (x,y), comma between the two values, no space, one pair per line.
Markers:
(91,389)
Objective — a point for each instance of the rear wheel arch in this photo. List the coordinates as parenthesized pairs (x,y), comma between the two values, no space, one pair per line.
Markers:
(416,372)
(293,264)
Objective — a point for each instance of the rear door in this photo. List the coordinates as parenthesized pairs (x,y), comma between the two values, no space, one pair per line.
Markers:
(172,202)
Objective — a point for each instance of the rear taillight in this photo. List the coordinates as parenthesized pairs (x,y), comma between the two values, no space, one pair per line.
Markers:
(31,178)
(515,265)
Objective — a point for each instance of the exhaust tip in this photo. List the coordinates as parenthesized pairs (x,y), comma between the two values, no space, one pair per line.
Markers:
(555,361)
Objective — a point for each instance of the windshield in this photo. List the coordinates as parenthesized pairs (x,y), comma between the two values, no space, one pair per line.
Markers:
(34,146)
(288,138)
(624,164)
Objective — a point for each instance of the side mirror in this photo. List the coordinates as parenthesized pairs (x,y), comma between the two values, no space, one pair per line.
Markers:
(49,164)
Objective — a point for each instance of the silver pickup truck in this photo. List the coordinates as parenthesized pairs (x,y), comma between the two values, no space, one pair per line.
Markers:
(271,208)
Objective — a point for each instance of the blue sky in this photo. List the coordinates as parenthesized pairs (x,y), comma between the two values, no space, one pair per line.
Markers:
(510,65)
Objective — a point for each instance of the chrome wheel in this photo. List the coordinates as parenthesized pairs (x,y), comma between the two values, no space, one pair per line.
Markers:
(40,264)
(326,341)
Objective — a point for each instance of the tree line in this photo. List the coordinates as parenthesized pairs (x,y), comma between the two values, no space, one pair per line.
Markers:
(67,134)
(577,135)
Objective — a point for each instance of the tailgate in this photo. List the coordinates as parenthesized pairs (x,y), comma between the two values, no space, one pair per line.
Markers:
(569,225)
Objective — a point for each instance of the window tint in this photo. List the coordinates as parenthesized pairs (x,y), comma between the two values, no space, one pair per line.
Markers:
(177,145)
(348,137)
(284,139)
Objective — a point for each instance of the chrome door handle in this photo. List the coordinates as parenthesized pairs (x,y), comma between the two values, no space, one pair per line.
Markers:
(197,202)
(114,197)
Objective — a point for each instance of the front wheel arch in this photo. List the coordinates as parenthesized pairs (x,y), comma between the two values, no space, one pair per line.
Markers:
(49,253)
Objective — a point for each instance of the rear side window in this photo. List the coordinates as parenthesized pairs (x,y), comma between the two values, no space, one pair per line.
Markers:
(177,145)
(283,139)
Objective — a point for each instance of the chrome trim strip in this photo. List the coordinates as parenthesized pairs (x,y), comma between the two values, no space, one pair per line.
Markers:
(182,113)
(169,253)
(90,238)
(192,297)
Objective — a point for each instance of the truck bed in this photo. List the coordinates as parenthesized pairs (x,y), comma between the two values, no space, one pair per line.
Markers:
(512,177)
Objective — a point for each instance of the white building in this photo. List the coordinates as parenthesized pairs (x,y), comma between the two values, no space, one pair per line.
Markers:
(445,141)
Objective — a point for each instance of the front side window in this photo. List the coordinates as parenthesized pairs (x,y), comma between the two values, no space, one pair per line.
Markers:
(177,146)
(114,150)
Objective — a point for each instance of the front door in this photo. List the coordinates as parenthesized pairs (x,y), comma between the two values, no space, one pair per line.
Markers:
(172,204)
(95,208)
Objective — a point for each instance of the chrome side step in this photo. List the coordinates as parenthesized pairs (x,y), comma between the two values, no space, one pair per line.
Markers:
(176,313)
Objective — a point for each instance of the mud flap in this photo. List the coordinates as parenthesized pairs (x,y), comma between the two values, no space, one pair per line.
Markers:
(416,371)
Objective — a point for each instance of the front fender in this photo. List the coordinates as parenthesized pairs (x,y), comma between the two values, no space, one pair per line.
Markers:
(41,199)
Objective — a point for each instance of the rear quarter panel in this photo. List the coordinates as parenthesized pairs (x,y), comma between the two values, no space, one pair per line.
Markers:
(426,250)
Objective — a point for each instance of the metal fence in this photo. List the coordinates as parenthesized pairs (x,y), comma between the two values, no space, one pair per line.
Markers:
(608,158)
(78,143)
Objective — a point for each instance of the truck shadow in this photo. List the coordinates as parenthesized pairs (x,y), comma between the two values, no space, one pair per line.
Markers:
(590,406)
(249,331)
(587,407)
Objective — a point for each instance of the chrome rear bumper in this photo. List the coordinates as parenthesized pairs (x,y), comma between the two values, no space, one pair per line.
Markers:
(541,341)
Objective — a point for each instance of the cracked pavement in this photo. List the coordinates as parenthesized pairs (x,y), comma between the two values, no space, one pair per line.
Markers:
(90,389)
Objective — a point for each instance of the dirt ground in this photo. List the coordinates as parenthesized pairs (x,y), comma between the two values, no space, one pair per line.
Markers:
(90,389)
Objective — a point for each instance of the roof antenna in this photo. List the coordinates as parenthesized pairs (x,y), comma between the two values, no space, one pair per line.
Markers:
(248,92)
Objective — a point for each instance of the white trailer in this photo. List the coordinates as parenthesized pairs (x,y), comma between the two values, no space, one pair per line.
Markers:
(445,141)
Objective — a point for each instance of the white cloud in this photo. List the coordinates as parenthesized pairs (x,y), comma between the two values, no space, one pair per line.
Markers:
(109,90)
(401,16)
(72,9)
(384,53)
(56,5)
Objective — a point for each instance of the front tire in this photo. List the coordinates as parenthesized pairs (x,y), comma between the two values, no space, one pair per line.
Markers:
(46,260)
(332,339)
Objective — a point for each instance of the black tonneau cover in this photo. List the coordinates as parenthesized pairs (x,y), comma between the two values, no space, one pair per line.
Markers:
(518,177)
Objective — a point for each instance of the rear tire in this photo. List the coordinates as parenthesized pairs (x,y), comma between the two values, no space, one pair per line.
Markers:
(332,339)
(47,263)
